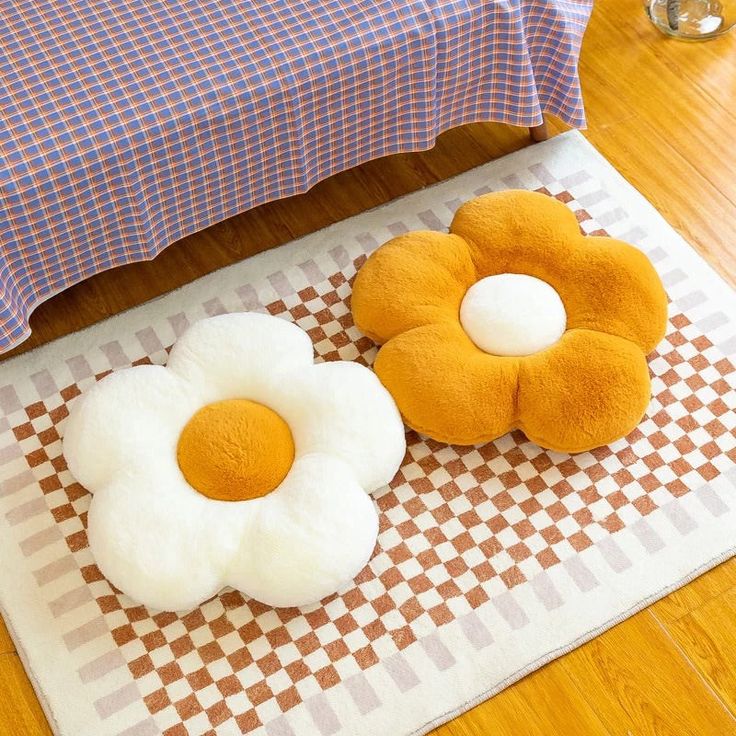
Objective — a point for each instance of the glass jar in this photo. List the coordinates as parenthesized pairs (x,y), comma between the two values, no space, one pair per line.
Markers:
(692,20)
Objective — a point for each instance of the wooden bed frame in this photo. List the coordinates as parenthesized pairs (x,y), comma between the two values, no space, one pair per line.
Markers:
(539,132)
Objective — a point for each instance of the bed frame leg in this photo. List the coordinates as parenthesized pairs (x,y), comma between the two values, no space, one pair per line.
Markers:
(539,133)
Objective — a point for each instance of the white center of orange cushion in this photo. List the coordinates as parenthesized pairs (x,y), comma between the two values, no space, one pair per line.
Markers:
(512,314)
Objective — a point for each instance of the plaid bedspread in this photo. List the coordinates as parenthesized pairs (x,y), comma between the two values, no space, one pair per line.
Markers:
(128,124)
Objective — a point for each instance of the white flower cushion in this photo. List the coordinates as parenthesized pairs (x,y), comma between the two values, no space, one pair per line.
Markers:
(169,546)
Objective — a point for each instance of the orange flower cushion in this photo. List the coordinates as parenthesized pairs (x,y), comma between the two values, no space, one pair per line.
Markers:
(513,319)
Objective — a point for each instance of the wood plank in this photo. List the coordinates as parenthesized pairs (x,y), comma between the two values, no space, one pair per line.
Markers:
(637,680)
(6,643)
(20,711)
(697,593)
(687,117)
(707,637)
(676,188)
(709,66)
(545,702)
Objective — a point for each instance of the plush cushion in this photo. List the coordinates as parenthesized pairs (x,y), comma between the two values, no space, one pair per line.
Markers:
(587,387)
(240,463)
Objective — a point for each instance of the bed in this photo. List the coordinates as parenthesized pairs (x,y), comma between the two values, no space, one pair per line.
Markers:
(126,125)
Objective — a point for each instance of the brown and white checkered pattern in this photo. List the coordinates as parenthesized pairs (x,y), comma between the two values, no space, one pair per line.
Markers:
(460,527)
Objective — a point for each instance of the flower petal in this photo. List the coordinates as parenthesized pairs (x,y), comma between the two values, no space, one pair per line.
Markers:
(161,542)
(615,289)
(309,537)
(237,355)
(517,231)
(127,420)
(341,408)
(412,280)
(447,388)
(587,390)
(605,284)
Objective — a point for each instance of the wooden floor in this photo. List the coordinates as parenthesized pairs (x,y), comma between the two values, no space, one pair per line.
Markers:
(664,113)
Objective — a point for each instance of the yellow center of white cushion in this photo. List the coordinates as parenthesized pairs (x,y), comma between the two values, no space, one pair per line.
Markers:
(235,450)
(512,314)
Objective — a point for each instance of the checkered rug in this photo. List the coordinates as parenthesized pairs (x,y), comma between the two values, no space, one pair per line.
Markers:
(491,560)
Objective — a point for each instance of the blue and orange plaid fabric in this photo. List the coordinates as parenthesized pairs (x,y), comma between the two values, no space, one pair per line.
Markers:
(128,124)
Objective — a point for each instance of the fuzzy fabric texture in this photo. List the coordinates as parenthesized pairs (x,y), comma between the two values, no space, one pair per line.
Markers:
(587,389)
(235,449)
(512,314)
(170,547)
